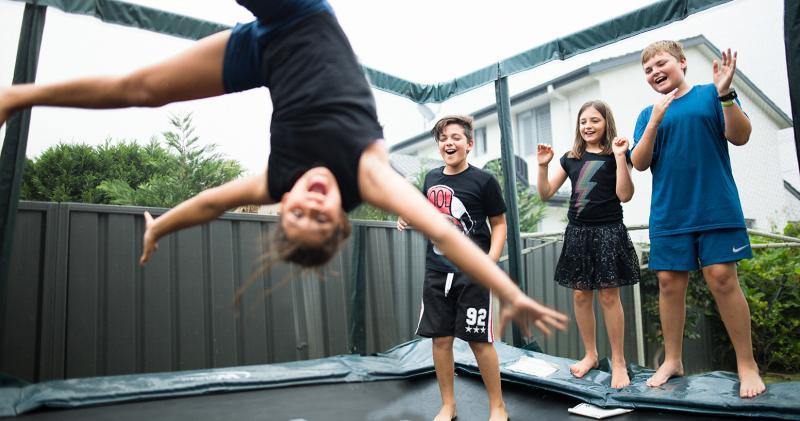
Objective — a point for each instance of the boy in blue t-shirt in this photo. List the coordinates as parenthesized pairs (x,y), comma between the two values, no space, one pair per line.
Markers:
(696,218)
(454,305)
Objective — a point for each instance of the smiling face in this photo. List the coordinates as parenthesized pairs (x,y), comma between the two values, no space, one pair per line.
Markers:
(592,128)
(312,210)
(664,72)
(453,147)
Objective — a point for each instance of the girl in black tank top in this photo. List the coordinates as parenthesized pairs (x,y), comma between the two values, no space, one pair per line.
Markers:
(325,158)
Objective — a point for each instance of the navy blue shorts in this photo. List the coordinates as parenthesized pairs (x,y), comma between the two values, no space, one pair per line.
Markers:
(687,252)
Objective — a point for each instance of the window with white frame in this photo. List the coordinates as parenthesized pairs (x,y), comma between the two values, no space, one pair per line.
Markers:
(533,126)
(479,147)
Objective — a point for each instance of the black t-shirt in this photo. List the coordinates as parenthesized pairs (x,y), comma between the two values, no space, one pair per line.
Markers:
(323,110)
(465,199)
(594,189)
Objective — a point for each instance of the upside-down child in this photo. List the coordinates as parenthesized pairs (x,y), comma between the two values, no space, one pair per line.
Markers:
(326,155)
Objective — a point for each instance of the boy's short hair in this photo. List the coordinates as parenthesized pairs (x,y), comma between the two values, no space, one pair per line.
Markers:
(673,48)
(464,121)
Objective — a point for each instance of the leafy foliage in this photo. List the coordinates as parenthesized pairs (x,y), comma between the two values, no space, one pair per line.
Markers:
(531,207)
(72,172)
(127,173)
(192,169)
(771,284)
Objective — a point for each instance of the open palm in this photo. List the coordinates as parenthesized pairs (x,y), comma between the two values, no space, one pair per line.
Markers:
(724,71)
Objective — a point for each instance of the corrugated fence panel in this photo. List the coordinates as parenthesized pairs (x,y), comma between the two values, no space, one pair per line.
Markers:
(20,352)
(81,306)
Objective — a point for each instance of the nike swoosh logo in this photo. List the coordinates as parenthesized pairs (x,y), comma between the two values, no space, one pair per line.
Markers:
(738,249)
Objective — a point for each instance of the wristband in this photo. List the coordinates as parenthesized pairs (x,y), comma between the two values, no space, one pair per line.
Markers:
(730,96)
(727,103)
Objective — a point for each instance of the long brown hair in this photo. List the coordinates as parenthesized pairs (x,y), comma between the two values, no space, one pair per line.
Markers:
(579,146)
(308,257)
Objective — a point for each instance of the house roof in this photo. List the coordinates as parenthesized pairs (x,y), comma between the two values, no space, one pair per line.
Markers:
(604,65)
(790,188)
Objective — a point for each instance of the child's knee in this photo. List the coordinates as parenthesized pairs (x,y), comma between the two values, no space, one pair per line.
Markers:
(721,280)
(479,348)
(670,282)
(443,342)
(582,297)
(609,297)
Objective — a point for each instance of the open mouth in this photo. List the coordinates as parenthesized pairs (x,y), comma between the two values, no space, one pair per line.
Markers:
(659,79)
(318,187)
(450,151)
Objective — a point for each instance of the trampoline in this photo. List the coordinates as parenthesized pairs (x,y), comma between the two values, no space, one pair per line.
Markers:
(397,385)
(411,399)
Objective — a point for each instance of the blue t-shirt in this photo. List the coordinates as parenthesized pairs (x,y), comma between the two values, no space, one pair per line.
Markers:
(693,186)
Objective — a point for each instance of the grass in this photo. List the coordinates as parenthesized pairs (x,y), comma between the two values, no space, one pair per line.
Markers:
(770,378)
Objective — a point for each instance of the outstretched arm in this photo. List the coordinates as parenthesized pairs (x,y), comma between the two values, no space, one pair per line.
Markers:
(204,207)
(193,74)
(381,186)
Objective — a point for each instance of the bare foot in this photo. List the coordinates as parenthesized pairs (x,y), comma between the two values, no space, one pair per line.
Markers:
(667,370)
(750,383)
(498,413)
(619,375)
(447,413)
(580,368)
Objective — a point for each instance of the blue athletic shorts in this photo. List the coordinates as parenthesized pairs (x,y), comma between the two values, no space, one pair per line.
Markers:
(691,251)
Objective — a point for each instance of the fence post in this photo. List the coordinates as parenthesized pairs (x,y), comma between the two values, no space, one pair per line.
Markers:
(358,297)
(509,181)
(12,158)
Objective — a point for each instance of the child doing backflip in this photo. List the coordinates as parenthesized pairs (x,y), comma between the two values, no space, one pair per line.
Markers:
(597,253)
(696,218)
(326,152)
(453,305)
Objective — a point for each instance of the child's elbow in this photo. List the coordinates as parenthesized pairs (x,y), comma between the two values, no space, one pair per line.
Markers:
(544,194)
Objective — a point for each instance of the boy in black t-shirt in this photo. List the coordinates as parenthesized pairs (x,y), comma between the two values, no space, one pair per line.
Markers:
(453,305)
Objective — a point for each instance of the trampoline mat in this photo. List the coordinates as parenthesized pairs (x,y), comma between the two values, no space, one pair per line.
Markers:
(395,385)
(412,399)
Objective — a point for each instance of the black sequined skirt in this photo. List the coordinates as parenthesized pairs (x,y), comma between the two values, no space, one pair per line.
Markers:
(597,257)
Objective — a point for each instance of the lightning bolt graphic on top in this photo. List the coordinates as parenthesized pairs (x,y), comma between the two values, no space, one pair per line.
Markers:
(584,184)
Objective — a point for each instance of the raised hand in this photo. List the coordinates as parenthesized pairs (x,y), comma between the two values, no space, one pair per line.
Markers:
(401,223)
(524,311)
(544,153)
(620,145)
(723,72)
(149,243)
(660,107)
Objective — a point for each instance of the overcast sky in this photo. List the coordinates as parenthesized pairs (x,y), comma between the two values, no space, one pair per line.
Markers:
(420,40)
